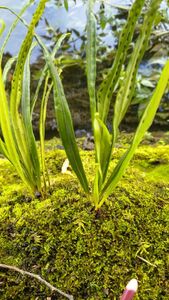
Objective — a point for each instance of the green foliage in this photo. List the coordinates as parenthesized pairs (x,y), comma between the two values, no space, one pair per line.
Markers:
(67,132)
(64,120)
(66,5)
(2,26)
(46,92)
(123,100)
(18,144)
(99,104)
(109,83)
(91,58)
(144,124)
(90,255)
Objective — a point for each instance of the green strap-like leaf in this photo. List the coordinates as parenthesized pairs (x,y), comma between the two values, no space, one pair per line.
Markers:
(32,154)
(127,88)
(144,124)
(16,83)
(12,124)
(103,143)
(44,71)
(103,146)
(7,67)
(16,91)
(91,57)
(2,26)
(66,5)
(64,121)
(107,86)
(8,147)
(46,92)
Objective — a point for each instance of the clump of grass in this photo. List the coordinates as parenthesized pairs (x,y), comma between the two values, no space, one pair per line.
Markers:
(105,182)
(18,142)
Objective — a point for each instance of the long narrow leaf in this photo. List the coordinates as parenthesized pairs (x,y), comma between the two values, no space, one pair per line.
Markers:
(2,26)
(103,142)
(16,140)
(9,149)
(17,124)
(16,83)
(45,97)
(107,86)
(28,38)
(44,71)
(91,57)
(7,67)
(33,158)
(64,121)
(103,147)
(144,124)
(126,91)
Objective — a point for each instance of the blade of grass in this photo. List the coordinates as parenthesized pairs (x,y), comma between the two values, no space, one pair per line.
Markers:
(107,87)
(2,26)
(64,121)
(12,125)
(17,124)
(143,126)
(5,123)
(33,158)
(56,48)
(127,88)
(91,57)
(8,67)
(105,148)
(103,145)
(45,97)
(44,71)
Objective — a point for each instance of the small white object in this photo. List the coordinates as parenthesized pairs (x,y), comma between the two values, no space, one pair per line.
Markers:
(132,285)
(130,290)
(65,166)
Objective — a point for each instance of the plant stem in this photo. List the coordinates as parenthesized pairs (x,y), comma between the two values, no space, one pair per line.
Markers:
(36,276)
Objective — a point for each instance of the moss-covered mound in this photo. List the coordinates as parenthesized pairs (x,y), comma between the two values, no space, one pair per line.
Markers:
(87,254)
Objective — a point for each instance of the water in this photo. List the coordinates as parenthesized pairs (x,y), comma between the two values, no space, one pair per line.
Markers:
(57,17)
(60,19)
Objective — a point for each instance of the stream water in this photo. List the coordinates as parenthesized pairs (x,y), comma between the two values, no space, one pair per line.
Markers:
(58,18)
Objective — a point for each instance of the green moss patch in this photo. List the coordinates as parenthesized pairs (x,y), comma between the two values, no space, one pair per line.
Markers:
(87,254)
(153,162)
(159,173)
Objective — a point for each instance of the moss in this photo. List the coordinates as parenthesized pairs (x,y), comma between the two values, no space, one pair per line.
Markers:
(89,255)
(153,162)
